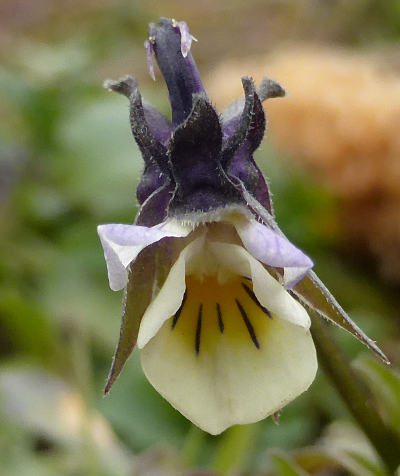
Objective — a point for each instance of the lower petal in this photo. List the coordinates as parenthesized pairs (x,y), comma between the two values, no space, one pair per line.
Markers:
(269,292)
(230,362)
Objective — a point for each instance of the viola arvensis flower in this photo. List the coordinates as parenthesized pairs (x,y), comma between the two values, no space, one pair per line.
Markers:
(212,286)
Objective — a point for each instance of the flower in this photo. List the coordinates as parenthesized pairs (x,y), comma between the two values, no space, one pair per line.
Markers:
(212,286)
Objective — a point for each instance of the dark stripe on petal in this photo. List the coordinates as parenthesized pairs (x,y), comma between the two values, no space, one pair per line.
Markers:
(248,279)
(178,312)
(198,329)
(250,292)
(249,326)
(220,321)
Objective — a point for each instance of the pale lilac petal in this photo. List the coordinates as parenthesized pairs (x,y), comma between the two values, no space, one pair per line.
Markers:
(123,243)
(148,46)
(186,38)
(273,249)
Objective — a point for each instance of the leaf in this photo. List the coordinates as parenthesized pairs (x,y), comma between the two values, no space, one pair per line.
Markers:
(346,444)
(283,465)
(385,385)
(314,459)
(313,293)
(367,467)
(327,458)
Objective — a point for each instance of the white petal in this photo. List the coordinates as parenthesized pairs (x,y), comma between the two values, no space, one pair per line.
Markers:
(269,292)
(170,296)
(123,243)
(234,382)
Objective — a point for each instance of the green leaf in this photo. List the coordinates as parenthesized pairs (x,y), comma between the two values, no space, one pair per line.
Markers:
(283,465)
(316,459)
(366,466)
(326,457)
(384,382)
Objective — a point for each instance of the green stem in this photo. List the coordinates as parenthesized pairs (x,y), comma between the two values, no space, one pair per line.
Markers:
(234,449)
(194,444)
(356,396)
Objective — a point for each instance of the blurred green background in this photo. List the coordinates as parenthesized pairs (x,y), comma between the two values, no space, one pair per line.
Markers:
(68,162)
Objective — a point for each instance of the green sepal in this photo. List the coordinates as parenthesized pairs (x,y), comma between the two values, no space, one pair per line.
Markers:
(314,294)
(137,297)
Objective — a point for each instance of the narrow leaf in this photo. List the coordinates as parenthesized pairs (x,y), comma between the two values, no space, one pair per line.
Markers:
(283,465)
(385,385)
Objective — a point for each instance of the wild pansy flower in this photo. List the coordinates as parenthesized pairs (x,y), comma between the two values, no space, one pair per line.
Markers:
(212,286)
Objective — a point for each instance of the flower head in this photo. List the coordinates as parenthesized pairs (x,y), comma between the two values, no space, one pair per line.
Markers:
(212,284)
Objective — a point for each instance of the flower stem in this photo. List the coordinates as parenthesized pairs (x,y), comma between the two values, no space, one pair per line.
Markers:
(356,396)
(193,446)
(234,449)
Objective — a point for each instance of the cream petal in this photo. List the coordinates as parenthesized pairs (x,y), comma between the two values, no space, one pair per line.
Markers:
(269,292)
(235,382)
(170,297)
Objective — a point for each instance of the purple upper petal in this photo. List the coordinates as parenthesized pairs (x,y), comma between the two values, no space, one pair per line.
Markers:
(180,72)
(159,125)
(154,210)
(244,168)
(262,192)
(191,166)
(151,180)
(194,154)
(244,129)
(249,123)
(246,116)
(152,131)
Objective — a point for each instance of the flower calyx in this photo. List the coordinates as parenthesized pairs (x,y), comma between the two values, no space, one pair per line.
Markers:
(200,162)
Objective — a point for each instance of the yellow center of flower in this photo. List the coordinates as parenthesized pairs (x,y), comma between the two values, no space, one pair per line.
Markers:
(211,311)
